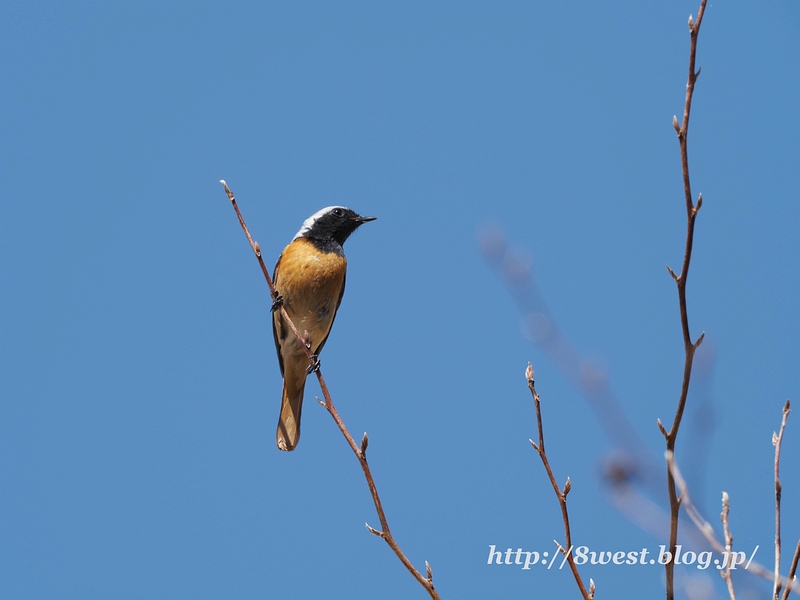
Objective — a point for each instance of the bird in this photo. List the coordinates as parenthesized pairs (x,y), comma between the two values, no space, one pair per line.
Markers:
(309,280)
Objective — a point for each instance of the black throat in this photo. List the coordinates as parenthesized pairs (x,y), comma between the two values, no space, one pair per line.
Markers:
(326,245)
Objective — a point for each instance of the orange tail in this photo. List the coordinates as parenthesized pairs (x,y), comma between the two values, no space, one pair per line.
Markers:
(291,405)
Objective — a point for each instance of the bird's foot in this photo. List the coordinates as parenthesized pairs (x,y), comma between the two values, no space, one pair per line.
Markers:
(314,366)
(276,303)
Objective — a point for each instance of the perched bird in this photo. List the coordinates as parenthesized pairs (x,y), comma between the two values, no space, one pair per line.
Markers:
(309,278)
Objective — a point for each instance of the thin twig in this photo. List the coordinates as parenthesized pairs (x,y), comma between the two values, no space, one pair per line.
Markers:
(726,572)
(689,346)
(792,571)
(425,581)
(560,494)
(708,530)
(777,438)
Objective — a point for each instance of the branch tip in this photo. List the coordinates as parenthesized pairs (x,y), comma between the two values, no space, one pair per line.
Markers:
(428,571)
(364,443)
(661,428)
(374,531)
(671,272)
(228,191)
(676,125)
(700,340)
(561,493)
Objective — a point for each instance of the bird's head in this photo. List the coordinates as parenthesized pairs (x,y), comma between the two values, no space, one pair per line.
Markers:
(332,223)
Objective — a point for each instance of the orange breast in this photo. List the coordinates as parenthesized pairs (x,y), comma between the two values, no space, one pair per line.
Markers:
(311,284)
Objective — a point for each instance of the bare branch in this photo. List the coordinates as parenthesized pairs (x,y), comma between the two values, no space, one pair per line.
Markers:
(704,526)
(360,452)
(680,280)
(726,572)
(792,571)
(777,438)
(708,531)
(561,495)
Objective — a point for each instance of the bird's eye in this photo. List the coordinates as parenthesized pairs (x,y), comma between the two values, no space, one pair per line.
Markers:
(337,212)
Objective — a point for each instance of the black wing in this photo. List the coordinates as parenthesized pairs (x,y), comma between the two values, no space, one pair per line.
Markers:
(277,316)
(338,304)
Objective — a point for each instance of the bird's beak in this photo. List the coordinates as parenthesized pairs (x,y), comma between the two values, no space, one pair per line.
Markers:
(364,219)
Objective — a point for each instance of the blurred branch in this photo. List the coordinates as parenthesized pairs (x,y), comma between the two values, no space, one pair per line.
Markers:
(708,531)
(560,494)
(541,328)
(777,438)
(689,346)
(360,451)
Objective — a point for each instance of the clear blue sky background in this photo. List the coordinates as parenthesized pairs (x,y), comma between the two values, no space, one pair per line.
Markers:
(139,383)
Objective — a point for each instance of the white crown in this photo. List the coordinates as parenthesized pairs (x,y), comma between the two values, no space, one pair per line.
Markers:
(309,222)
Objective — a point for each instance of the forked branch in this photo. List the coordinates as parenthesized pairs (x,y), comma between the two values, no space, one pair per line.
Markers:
(561,494)
(708,532)
(360,451)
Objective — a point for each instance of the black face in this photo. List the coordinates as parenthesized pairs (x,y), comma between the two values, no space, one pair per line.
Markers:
(337,224)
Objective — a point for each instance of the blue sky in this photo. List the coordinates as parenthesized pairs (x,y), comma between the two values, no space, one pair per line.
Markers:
(140,388)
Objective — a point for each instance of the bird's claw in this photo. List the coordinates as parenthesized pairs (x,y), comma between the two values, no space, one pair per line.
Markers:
(314,366)
(276,303)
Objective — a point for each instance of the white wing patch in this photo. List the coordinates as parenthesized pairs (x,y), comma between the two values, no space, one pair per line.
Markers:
(309,222)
